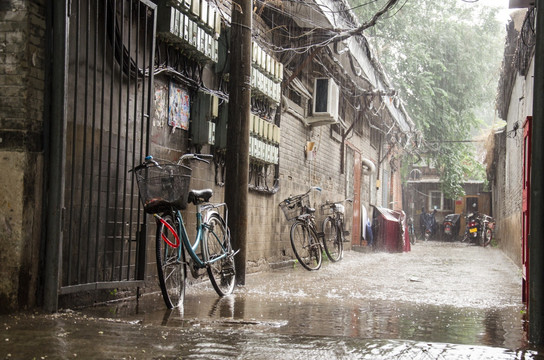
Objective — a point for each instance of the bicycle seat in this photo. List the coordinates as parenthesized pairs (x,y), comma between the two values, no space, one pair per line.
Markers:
(310,210)
(200,196)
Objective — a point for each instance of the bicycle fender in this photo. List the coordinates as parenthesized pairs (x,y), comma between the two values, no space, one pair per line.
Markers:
(210,213)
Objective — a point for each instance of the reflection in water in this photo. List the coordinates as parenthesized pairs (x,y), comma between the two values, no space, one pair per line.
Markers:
(501,327)
(434,308)
(344,311)
(377,320)
(167,334)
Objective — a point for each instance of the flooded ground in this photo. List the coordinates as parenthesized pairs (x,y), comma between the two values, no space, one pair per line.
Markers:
(440,301)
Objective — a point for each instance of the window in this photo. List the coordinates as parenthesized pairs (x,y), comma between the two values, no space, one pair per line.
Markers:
(336,132)
(448,204)
(435,198)
(294,96)
(375,137)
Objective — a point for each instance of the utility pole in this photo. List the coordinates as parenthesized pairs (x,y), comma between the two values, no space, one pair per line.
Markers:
(237,162)
(536,226)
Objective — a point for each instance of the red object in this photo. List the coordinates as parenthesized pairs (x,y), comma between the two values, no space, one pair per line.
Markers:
(525,208)
(390,230)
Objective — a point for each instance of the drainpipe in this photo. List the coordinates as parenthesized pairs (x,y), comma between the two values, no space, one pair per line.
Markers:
(536,226)
(342,148)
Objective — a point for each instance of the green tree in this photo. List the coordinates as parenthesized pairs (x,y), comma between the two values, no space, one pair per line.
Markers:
(444,57)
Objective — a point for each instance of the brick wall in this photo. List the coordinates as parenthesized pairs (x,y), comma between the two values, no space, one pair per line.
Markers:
(22,46)
(507,188)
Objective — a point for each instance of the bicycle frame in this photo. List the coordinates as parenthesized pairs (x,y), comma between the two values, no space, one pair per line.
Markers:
(185,242)
(309,221)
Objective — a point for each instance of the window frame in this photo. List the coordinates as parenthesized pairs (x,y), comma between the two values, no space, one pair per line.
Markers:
(441,198)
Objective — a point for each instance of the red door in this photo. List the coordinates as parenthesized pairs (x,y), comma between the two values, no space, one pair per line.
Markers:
(525,208)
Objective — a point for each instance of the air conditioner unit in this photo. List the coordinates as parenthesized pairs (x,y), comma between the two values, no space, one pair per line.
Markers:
(325,102)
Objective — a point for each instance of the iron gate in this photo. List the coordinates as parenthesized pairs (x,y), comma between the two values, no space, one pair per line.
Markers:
(108,102)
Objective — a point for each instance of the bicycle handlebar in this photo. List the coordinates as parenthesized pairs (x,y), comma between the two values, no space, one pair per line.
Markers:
(350,200)
(198,157)
(149,160)
(310,189)
(306,193)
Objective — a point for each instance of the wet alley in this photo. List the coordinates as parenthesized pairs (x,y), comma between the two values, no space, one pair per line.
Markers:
(439,301)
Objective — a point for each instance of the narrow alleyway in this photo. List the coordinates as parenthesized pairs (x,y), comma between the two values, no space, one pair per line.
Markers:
(439,301)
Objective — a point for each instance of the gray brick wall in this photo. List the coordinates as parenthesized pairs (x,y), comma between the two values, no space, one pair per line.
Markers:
(507,190)
(22,47)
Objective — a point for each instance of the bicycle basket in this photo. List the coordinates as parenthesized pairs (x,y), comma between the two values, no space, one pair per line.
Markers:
(163,186)
(326,209)
(293,207)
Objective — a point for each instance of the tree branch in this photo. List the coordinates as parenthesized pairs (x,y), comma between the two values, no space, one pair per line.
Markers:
(372,22)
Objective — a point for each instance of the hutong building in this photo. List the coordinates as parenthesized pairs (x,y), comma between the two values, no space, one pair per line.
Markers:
(92,87)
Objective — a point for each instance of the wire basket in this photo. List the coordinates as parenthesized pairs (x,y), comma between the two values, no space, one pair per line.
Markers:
(294,206)
(327,209)
(163,186)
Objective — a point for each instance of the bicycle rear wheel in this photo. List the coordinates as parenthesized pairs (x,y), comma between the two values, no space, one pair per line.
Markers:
(487,236)
(332,240)
(305,246)
(171,265)
(221,272)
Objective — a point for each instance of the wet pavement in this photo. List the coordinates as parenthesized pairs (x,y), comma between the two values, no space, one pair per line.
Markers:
(439,301)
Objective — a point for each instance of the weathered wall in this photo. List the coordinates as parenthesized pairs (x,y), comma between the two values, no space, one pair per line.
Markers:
(508,182)
(297,173)
(22,84)
(22,46)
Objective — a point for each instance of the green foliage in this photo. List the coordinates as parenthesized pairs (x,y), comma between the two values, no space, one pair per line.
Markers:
(444,57)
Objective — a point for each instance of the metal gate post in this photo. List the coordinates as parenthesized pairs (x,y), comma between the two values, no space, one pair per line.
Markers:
(58,37)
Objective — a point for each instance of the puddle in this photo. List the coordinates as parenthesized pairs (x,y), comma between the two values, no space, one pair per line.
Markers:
(441,301)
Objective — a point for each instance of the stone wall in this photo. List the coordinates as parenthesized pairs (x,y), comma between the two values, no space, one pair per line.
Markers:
(22,47)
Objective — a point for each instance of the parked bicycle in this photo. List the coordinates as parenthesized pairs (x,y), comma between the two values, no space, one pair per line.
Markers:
(333,229)
(304,235)
(164,191)
(488,228)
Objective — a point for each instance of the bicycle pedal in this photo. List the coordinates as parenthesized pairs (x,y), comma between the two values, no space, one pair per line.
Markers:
(195,270)
(229,271)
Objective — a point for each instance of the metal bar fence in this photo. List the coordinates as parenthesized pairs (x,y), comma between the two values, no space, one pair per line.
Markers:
(110,78)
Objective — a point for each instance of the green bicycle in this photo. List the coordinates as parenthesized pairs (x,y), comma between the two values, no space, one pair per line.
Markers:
(164,191)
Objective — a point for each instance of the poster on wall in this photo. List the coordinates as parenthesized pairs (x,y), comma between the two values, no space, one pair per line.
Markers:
(160,116)
(179,109)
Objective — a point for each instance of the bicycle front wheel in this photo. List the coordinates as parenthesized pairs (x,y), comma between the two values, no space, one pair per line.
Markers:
(221,272)
(171,265)
(305,246)
(332,240)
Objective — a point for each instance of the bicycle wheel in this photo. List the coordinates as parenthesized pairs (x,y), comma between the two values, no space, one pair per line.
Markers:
(171,265)
(332,240)
(305,246)
(221,272)
(487,237)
